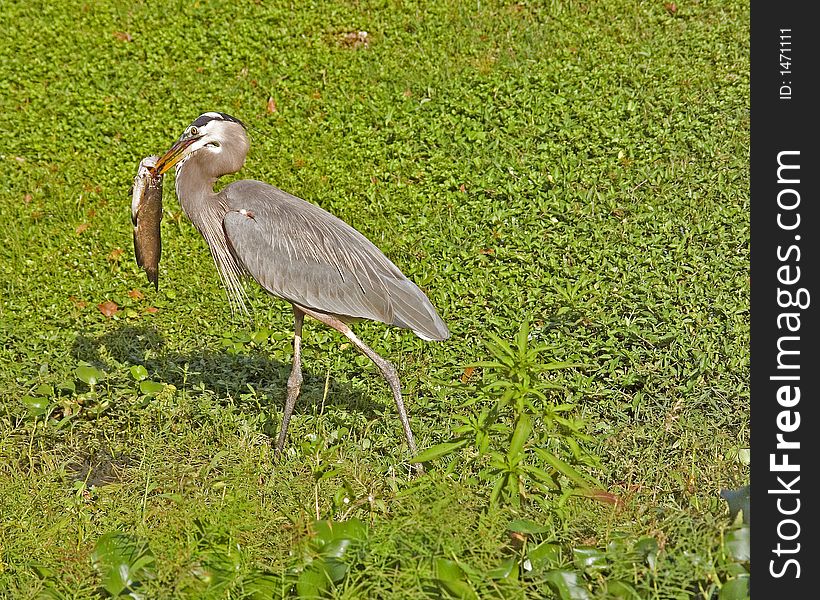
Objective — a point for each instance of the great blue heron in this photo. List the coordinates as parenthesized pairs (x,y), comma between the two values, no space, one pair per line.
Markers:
(293,249)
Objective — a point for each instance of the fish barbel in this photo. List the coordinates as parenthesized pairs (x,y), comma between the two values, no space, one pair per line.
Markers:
(146,214)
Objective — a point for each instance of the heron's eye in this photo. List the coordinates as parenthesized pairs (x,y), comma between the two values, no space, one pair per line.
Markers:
(193,131)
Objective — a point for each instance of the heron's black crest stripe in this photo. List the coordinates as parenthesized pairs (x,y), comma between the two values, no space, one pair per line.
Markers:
(215,116)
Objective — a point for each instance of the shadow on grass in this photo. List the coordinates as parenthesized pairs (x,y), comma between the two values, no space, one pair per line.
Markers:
(221,372)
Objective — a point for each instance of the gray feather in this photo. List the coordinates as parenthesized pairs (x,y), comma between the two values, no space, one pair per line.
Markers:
(301,253)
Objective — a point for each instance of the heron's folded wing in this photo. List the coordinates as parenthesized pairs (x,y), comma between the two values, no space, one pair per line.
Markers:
(300,252)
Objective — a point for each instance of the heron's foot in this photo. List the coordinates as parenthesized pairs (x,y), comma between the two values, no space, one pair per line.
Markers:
(277,454)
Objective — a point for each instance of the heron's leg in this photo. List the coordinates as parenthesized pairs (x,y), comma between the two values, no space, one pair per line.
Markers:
(294,381)
(385,366)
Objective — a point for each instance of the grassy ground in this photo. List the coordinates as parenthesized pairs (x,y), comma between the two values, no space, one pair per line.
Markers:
(579,166)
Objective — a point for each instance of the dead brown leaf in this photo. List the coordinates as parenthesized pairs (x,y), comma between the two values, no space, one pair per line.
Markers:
(672,415)
(77,302)
(115,255)
(108,308)
(152,309)
(82,227)
(123,36)
(136,295)
(671,7)
(271,107)
(468,372)
(604,497)
(517,540)
(354,39)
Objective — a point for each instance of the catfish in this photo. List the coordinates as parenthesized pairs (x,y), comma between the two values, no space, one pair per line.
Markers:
(146,215)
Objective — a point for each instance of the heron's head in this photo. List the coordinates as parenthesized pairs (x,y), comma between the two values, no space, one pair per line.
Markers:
(219,142)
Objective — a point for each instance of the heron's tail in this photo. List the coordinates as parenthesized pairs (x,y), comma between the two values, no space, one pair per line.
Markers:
(413,310)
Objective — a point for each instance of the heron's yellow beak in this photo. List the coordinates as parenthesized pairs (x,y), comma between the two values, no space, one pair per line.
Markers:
(174,155)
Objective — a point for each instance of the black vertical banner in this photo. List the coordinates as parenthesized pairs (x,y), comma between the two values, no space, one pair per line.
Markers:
(785,297)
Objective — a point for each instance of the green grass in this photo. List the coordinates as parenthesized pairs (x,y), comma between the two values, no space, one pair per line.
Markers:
(580,166)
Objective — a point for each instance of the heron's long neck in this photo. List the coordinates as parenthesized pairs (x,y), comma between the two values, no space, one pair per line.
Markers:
(195,190)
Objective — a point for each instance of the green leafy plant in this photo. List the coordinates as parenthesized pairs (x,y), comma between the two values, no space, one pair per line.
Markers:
(525,441)
(220,568)
(734,558)
(549,161)
(122,562)
(453,579)
(330,554)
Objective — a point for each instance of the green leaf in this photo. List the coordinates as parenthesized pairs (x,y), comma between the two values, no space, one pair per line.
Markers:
(438,450)
(312,582)
(320,575)
(121,561)
(744,456)
(323,475)
(42,571)
(522,337)
(528,527)
(498,487)
(67,386)
(49,592)
(44,390)
(588,559)
(620,590)
(88,374)
(737,543)
(452,579)
(486,364)
(735,589)
(151,387)
(335,569)
(499,348)
(328,531)
(336,548)
(647,550)
(138,372)
(262,586)
(448,570)
(545,555)
(507,570)
(260,336)
(566,584)
(36,406)
(520,436)
(565,469)
(540,476)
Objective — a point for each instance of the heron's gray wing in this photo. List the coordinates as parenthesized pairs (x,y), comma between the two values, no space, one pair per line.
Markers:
(297,251)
